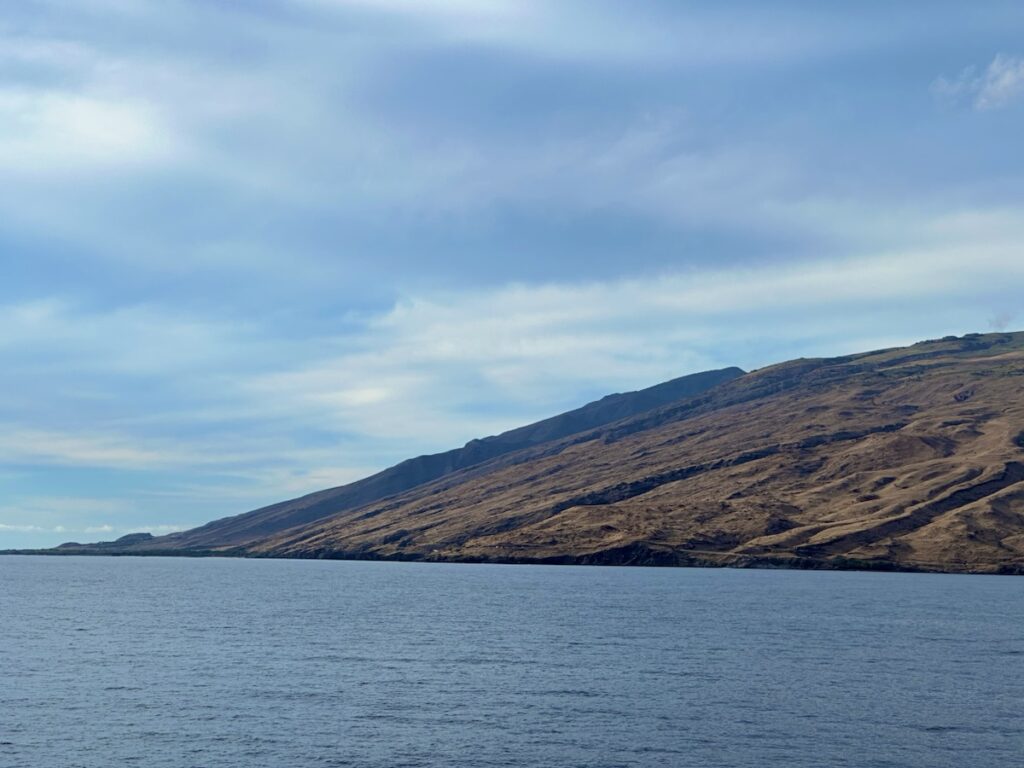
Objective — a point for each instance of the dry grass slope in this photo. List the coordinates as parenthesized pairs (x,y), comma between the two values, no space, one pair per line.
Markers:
(906,458)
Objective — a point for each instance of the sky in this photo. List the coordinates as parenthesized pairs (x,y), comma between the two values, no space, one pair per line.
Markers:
(249,250)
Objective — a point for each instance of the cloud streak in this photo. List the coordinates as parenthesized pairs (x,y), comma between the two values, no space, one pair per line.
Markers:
(1000,84)
(18,446)
(252,250)
(438,368)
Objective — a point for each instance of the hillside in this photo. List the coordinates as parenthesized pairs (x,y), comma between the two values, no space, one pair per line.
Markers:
(252,526)
(904,458)
(908,458)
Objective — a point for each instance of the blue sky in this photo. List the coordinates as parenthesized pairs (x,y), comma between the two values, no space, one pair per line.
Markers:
(251,250)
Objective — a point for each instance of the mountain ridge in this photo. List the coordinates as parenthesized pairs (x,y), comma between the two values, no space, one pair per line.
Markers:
(831,430)
(237,530)
(897,459)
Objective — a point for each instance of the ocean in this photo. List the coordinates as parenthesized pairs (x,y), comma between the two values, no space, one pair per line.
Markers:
(187,663)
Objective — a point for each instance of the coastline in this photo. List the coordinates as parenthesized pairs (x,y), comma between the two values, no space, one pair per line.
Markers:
(633,559)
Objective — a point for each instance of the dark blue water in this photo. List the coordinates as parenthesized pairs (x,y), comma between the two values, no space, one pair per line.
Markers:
(184,663)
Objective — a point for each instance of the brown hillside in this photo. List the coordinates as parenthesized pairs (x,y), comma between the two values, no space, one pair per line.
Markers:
(908,458)
(251,526)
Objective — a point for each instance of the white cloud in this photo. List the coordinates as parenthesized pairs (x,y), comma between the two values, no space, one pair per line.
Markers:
(291,130)
(467,364)
(153,166)
(1001,83)
(50,132)
(47,446)
(439,368)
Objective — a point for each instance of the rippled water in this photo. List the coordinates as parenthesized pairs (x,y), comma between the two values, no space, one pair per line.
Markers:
(184,662)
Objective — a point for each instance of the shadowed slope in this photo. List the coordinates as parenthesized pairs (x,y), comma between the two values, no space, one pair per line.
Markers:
(239,530)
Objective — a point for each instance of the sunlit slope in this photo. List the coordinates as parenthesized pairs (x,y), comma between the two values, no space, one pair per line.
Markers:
(907,457)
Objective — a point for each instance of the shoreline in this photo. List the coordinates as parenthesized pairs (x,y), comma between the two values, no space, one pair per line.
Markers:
(598,559)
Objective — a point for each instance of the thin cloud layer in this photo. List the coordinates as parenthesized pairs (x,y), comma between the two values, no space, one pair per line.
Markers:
(253,250)
(1000,84)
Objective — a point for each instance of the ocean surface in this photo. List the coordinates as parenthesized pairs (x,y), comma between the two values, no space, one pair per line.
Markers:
(180,663)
